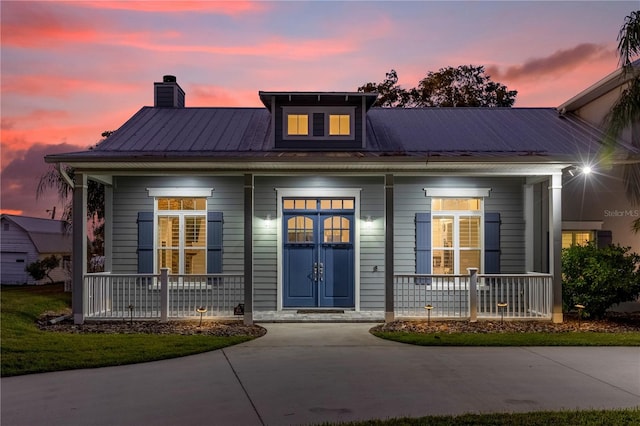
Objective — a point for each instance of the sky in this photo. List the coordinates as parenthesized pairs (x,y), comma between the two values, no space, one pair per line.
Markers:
(71,70)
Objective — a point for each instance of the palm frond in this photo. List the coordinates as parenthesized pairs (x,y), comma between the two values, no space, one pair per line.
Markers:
(629,39)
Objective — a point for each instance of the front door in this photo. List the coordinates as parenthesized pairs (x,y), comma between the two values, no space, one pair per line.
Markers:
(318,253)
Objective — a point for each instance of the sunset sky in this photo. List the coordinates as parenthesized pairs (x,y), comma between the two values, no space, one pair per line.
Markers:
(71,70)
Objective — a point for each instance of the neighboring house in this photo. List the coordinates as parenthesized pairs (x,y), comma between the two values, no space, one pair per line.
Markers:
(27,239)
(596,209)
(320,206)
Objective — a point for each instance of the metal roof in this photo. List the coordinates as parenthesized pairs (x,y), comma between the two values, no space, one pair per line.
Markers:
(393,133)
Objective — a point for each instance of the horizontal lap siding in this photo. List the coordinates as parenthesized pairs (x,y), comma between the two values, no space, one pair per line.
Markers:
(130,196)
(506,198)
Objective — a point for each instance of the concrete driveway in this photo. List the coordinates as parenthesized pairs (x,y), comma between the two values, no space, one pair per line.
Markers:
(311,373)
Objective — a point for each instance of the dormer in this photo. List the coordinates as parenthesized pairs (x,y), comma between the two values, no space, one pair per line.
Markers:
(318,120)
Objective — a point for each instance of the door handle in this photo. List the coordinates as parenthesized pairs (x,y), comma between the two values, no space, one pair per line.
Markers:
(321,271)
(315,272)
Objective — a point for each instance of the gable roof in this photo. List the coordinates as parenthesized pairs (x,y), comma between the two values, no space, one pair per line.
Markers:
(203,134)
(47,235)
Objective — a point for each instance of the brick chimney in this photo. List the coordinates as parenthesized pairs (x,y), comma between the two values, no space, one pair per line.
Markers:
(168,94)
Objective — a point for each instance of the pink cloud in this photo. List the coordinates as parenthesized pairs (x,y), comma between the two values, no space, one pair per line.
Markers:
(60,86)
(210,95)
(232,8)
(560,61)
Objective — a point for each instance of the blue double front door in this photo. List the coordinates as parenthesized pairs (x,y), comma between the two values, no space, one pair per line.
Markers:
(318,253)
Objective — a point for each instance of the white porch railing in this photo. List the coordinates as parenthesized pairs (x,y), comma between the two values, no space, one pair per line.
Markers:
(163,296)
(473,296)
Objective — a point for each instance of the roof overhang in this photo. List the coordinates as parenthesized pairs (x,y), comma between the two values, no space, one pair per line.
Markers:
(310,97)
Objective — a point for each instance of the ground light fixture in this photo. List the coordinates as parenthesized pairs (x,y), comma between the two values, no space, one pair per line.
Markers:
(502,306)
(580,308)
(201,310)
(131,308)
(429,308)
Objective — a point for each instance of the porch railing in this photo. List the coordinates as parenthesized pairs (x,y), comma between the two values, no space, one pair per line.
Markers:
(161,296)
(473,296)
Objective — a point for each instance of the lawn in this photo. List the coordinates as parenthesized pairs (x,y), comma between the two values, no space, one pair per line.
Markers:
(541,418)
(513,339)
(26,349)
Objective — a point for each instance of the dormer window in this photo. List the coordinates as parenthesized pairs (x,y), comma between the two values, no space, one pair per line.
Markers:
(297,124)
(339,125)
(319,123)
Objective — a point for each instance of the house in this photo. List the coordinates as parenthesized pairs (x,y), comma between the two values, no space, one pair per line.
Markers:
(25,240)
(597,208)
(320,206)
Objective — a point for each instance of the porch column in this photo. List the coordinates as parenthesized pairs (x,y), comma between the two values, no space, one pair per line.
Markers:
(108,228)
(388,249)
(555,243)
(529,248)
(248,249)
(79,259)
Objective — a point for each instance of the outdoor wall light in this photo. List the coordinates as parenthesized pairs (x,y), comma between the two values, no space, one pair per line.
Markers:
(368,222)
(201,310)
(428,308)
(586,170)
(267,221)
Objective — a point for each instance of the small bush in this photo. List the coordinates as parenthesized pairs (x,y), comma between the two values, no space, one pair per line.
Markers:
(599,277)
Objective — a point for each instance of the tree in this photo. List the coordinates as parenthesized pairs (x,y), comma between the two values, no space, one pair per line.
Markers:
(390,94)
(42,268)
(626,110)
(464,86)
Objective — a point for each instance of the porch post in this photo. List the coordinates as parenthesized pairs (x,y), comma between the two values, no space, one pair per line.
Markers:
(388,249)
(164,294)
(248,249)
(555,243)
(79,259)
(108,228)
(529,228)
(473,294)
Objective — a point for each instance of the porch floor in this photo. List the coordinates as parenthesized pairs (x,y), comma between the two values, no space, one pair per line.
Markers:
(292,315)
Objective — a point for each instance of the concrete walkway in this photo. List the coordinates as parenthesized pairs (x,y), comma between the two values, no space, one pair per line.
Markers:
(310,373)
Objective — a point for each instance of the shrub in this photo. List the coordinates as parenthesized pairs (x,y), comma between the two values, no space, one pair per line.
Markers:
(599,277)
(41,268)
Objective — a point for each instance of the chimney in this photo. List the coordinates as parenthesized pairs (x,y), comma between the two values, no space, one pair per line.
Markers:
(168,94)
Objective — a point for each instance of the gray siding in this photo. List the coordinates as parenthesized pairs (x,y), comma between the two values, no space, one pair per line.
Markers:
(506,198)
(130,197)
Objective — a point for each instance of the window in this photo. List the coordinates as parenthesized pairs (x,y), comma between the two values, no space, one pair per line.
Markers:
(319,124)
(181,235)
(297,124)
(455,235)
(339,125)
(575,238)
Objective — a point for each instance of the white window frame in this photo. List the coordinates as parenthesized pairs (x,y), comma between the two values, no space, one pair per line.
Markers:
(175,192)
(459,193)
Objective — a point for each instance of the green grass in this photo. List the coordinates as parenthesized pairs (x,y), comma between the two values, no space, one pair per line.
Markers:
(514,339)
(541,418)
(26,349)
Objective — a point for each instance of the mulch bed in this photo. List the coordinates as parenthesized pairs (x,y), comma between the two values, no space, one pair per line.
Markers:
(613,323)
(186,327)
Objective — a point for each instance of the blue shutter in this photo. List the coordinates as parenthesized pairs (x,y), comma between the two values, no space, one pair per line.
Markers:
(214,242)
(423,243)
(491,243)
(145,242)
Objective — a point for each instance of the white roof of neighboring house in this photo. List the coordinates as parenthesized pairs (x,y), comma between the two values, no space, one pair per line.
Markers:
(47,235)
(607,84)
